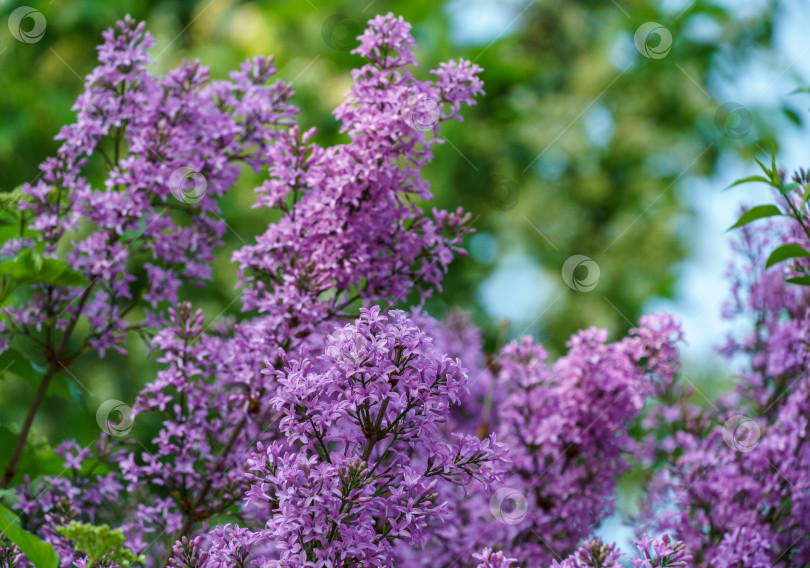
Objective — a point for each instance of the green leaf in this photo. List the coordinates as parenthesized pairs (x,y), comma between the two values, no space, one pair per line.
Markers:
(10,200)
(100,543)
(38,459)
(24,360)
(788,187)
(758,212)
(785,252)
(767,172)
(792,115)
(30,267)
(33,352)
(750,179)
(772,173)
(12,362)
(802,280)
(9,228)
(41,554)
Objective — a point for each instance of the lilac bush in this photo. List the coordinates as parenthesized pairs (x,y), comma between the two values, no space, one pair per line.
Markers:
(735,486)
(336,424)
(171,146)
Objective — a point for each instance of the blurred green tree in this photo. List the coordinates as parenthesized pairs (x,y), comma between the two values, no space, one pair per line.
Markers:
(595,112)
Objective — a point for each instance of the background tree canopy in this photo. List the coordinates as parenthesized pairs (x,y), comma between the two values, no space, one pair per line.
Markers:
(594,113)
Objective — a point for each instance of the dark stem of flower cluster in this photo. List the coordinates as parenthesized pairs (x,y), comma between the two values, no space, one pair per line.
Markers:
(374,437)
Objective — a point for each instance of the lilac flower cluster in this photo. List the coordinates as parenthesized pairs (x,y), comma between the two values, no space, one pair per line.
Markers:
(735,487)
(200,420)
(652,553)
(566,426)
(362,458)
(351,226)
(156,137)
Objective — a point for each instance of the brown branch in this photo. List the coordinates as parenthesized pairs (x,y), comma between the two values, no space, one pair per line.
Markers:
(54,365)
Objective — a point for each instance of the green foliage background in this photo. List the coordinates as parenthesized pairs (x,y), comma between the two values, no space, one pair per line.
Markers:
(522,163)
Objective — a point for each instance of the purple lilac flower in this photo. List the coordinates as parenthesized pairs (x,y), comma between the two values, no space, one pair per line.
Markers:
(566,426)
